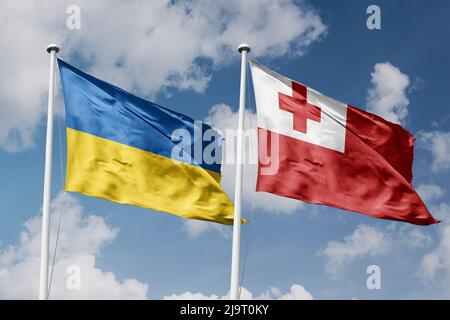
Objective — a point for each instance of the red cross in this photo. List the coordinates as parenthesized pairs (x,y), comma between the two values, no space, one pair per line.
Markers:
(299,107)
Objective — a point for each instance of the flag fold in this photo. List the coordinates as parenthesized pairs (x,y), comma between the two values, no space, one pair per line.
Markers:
(129,150)
(330,153)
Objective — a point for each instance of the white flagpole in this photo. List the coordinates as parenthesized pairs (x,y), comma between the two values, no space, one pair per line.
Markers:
(43,280)
(244,49)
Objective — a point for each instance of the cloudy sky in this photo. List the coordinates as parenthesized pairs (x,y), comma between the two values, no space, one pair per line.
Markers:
(183,55)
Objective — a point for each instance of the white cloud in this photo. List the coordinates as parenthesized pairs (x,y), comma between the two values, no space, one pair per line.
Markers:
(191,296)
(438,143)
(435,265)
(429,192)
(26,31)
(141,46)
(296,292)
(412,238)
(195,228)
(387,96)
(81,241)
(369,241)
(442,211)
(364,241)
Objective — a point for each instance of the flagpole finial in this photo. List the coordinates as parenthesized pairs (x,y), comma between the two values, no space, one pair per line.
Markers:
(244,47)
(52,47)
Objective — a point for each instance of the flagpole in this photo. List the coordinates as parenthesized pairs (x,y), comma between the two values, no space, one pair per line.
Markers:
(244,49)
(43,280)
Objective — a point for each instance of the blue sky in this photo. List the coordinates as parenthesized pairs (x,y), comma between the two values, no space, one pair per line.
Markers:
(326,46)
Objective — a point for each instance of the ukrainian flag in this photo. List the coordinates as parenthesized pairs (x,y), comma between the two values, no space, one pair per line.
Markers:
(123,148)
